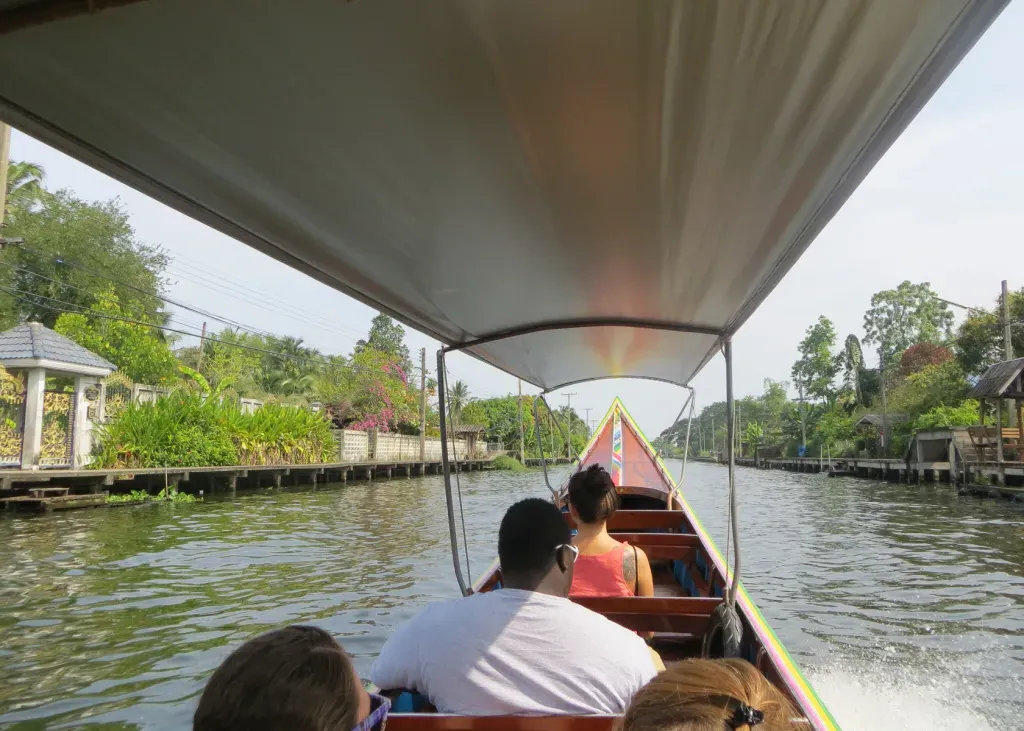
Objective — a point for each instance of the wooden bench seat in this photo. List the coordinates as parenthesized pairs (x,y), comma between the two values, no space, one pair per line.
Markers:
(637,520)
(675,615)
(662,546)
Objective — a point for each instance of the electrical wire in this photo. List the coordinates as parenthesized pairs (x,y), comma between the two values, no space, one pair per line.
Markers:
(262,302)
(164,298)
(94,313)
(32,273)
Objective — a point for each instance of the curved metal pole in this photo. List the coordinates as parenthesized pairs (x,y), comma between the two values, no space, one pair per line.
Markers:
(452,531)
(540,445)
(554,418)
(686,449)
(730,427)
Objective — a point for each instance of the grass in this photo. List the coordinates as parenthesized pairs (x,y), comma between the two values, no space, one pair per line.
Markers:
(504,462)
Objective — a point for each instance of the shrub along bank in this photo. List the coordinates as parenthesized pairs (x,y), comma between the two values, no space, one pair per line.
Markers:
(185,429)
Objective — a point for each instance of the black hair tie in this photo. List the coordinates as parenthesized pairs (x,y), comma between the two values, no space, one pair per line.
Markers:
(744,715)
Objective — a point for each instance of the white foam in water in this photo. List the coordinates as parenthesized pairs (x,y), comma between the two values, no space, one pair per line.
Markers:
(886,698)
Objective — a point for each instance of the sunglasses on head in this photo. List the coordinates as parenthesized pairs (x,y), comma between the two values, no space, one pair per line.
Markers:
(377,720)
(575,551)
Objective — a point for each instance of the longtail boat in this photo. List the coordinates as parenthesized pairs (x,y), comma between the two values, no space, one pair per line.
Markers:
(690,573)
(567,190)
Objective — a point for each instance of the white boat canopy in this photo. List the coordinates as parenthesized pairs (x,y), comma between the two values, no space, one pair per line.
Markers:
(640,172)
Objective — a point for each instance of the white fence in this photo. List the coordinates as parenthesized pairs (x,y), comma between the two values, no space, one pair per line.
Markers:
(372,446)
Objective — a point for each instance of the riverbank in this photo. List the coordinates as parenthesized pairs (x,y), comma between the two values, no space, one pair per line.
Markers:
(960,477)
(51,489)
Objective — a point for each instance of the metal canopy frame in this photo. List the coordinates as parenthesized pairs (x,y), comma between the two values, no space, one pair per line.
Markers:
(724,344)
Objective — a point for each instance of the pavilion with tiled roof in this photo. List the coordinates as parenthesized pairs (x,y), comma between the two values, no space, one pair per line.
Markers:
(37,351)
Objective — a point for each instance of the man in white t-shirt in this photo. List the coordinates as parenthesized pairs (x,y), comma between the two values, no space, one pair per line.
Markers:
(524,648)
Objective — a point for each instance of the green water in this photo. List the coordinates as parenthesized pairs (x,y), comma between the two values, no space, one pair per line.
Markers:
(905,606)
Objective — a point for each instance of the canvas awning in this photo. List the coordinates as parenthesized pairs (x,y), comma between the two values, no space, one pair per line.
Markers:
(642,172)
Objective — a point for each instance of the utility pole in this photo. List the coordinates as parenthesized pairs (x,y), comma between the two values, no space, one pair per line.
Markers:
(522,430)
(1007,344)
(739,431)
(202,342)
(551,433)
(568,418)
(713,453)
(803,418)
(5,159)
(587,409)
(423,404)
(885,408)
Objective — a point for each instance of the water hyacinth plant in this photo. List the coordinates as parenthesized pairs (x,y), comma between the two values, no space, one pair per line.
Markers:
(190,429)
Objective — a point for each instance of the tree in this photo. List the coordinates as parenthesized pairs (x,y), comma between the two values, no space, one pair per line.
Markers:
(138,352)
(979,341)
(815,372)
(853,364)
(458,399)
(934,385)
(773,402)
(905,316)
(290,370)
(754,434)
(225,361)
(388,337)
(24,184)
(475,413)
(918,356)
(817,368)
(834,426)
(381,397)
(71,247)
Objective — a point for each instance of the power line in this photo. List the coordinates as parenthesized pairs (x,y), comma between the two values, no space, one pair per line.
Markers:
(164,298)
(237,291)
(95,313)
(92,294)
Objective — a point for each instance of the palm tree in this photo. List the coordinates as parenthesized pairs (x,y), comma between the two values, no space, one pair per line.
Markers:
(458,399)
(24,184)
(853,364)
(291,369)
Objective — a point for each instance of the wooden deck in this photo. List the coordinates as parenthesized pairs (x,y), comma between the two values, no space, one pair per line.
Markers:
(995,479)
(229,478)
(40,501)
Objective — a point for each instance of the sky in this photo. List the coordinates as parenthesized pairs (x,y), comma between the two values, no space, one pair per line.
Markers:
(945,205)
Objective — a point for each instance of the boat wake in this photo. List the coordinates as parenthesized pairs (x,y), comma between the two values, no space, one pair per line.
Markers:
(888,697)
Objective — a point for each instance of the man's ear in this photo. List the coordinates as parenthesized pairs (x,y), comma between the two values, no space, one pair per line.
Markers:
(574,514)
(562,559)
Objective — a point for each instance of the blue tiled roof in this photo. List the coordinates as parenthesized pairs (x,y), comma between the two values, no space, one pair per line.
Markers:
(34,340)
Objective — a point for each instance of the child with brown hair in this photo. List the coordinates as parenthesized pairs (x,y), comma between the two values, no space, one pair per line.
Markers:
(297,678)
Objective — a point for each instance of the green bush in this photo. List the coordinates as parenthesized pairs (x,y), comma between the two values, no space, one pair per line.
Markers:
(186,429)
(966,414)
(504,462)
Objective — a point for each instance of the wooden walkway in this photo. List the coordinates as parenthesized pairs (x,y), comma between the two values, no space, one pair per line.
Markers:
(1000,479)
(214,478)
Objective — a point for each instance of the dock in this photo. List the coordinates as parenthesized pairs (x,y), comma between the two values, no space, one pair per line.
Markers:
(986,479)
(43,490)
(212,478)
(48,499)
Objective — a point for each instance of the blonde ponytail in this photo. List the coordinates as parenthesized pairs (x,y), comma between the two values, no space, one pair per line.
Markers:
(709,695)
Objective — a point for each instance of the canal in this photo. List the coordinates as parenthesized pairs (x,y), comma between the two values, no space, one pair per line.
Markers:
(905,605)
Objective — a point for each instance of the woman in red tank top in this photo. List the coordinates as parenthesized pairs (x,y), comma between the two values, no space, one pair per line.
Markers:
(604,567)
